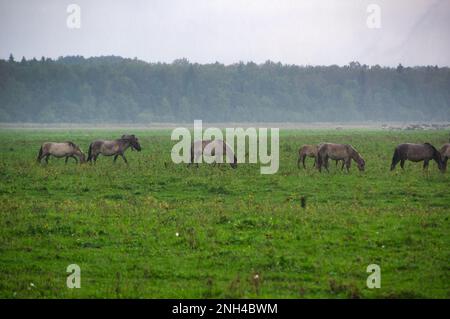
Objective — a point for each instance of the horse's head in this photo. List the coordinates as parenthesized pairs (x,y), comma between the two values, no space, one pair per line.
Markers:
(80,154)
(437,157)
(134,142)
(82,157)
(361,164)
(440,161)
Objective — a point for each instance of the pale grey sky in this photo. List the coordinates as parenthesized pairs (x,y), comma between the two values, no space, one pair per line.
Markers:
(314,32)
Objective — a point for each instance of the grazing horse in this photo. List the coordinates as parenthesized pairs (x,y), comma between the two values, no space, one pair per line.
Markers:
(343,152)
(217,148)
(416,153)
(114,147)
(65,149)
(310,151)
(445,154)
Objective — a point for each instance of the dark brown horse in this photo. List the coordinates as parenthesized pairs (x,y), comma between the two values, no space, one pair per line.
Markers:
(343,152)
(445,154)
(416,153)
(65,149)
(114,147)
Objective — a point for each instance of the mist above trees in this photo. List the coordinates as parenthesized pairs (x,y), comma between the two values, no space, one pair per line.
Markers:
(117,90)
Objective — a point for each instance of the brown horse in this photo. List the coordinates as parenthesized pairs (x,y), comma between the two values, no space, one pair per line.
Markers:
(217,148)
(445,154)
(310,151)
(343,152)
(114,147)
(416,153)
(65,149)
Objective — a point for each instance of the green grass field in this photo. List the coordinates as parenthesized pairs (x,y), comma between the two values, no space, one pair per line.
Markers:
(120,224)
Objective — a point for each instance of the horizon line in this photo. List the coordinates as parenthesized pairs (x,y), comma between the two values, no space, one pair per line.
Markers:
(216,62)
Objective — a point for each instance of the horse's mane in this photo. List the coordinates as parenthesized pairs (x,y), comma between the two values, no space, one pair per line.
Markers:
(432,147)
(71,144)
(354,152)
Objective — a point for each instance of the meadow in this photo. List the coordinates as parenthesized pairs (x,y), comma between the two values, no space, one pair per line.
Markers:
(154,229)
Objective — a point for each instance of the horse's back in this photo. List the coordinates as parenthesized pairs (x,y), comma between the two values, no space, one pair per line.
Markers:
(415,152)
(334,151)
(106,147)
(57,149)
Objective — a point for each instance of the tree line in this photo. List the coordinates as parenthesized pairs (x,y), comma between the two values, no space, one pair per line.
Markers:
(117,90)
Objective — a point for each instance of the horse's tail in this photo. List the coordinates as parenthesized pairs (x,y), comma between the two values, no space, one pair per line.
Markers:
(191,162)
(319,158)
(39,155)
(395,157)
(90,152)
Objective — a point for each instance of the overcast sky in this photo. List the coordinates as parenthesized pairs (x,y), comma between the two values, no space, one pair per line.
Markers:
(315,32)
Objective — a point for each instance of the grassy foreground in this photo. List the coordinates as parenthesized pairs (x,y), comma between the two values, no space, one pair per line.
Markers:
(151,231)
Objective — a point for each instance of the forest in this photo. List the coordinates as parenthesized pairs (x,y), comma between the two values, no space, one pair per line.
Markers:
(111,89)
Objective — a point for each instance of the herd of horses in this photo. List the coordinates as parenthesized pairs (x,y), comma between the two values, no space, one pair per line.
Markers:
(321,153)
(346,153)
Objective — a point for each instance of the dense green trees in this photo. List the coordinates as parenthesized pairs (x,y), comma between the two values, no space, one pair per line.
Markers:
(112,89)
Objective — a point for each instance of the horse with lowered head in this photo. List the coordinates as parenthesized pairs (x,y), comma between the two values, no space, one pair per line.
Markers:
(115,147)
(216,148)
(416,153)
(65,149)
(343,152)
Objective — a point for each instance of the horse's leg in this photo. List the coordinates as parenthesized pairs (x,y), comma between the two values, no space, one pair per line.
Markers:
(46,158)
(348,163)
(402,163)
(326,163)
(303,161)
(343,164)
(298,161)
(75,158)
(115,158)
(425,164)
(124,158)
